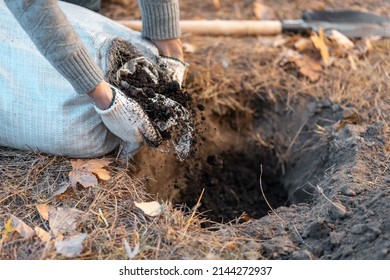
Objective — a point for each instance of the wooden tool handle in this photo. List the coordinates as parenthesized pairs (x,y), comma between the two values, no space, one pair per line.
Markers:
(221,27)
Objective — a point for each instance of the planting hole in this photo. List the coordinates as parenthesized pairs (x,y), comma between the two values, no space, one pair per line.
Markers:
(246,165)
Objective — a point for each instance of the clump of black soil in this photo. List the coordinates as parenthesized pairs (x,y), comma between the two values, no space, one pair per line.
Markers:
(232,189)
(140,87)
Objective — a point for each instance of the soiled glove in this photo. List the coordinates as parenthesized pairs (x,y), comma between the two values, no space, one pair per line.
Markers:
(179,116)
(127,120)
(139,62)
(175,68)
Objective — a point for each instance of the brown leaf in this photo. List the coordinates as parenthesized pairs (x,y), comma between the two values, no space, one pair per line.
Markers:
(309,67)
(64,220)
(319,43)
(43,210)
(20,227)
(42,234)
(303,44)
(84,170)
(72,246)
(263,11)
(306,65)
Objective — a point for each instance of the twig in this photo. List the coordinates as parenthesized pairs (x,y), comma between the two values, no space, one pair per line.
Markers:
(300,238)
(294,139)
(265,198)
(321,191)
(193,212)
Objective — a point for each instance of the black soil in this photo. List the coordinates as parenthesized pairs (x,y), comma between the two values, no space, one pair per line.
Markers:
(140,87)
(232,187)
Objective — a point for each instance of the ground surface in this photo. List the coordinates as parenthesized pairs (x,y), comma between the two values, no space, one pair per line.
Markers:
(295,169)
(324,143)
(341,171)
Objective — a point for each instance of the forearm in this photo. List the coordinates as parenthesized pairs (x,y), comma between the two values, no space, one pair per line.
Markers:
(55,38)
(160,19)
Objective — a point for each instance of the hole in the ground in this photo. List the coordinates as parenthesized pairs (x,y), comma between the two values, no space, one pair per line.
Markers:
(232,186)
(288,139)
(289,143)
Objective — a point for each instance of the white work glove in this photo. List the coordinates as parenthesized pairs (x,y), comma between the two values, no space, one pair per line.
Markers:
(127,120)
(139,62)
(178,116)
(179,121)
(174,68)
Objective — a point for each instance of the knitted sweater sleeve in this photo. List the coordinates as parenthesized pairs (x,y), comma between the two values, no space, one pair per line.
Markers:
(160,19)
(55,38)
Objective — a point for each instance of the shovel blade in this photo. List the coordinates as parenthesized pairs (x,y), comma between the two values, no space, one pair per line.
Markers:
(353,24)
(343,16)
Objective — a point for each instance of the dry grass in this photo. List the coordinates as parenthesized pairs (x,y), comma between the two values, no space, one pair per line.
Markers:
(225,73)
(28,179)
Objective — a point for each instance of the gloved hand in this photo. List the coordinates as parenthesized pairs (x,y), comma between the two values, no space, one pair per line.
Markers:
(127,120)
(141,62)
(178,116)
(175,68)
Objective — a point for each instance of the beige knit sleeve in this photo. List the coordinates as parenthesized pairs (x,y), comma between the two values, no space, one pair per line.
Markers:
(53,35)
(160,19)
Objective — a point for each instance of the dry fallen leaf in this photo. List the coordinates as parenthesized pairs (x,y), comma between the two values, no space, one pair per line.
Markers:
(71,246)
(149,208)
(319,43)
(21,228)
(64,220)
(8,228)
(43,210)
(42,234)
(84,170)
(262,11)
(340,39)
(306,65)
(303,44)
(309,67)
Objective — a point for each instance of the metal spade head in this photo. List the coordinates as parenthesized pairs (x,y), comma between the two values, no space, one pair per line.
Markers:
(353,24)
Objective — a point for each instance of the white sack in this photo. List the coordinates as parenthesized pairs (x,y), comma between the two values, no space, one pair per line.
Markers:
(39,109)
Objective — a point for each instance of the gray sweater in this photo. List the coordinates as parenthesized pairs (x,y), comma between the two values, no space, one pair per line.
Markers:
(55,38)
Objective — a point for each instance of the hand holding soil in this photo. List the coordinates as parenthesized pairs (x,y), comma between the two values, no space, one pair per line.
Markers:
(156,88)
